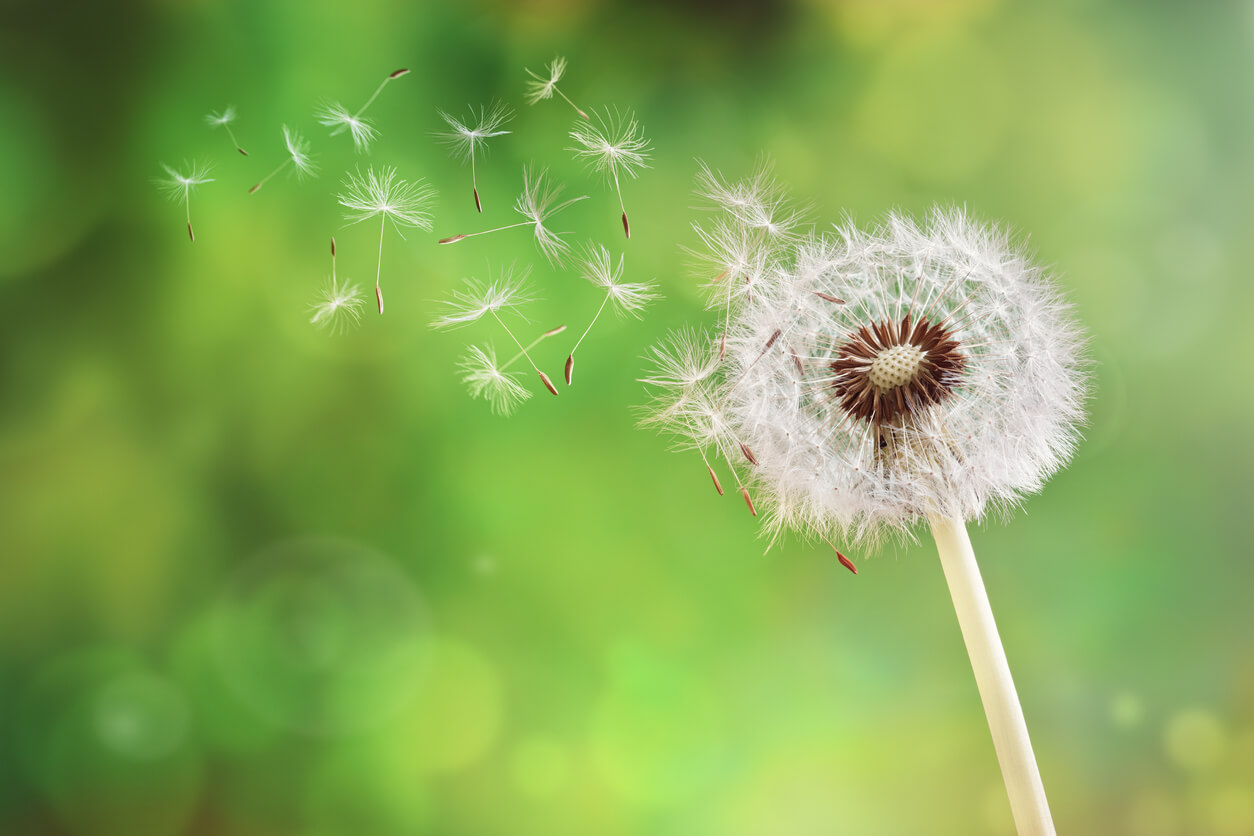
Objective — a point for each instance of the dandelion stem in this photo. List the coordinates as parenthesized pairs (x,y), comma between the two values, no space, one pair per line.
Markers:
(532,345)
(454,239)
(992,676)
(374,96)
(378,292)
(572,104)
(187,201)
(543,377)
(619,189)
(570,359)
(604,302)
(231,134)
(266,179)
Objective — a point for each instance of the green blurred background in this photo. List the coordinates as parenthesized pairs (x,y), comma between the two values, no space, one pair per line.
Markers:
(258,579)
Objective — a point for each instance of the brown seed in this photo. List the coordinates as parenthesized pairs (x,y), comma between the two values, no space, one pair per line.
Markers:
(717,486)
(722,346)
(191,234)
(397,73)
(451,240)
(570,367)
(559,329)
(827,297)
(548,383)
(626,226)
(333,246)
(478,205)
(846,562)
(745,493)
(378,293)
(254,188)
(721,276)
(241,150)
(748,453)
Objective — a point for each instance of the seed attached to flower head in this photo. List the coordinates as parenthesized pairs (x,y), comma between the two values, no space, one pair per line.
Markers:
(744,448)
(717,486)
(745,493)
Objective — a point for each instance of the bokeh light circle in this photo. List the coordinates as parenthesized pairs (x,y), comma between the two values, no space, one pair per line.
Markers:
(140,717)
(322,637)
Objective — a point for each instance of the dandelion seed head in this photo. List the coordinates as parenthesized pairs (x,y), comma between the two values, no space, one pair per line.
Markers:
(298,149)
(381,193)
(485,378)
(478,298)
(337,117)
(338,306)
(537,203)
(882,376)
(600,268)
(178,185)
(757,203)
(542,87)
(467,136)
(684,360)
(612,143)
(226,117)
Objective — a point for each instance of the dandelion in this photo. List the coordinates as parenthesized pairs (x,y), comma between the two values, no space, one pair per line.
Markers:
(874,381)
(757,204)
(338,305)
(297,155)
(742,246)
(486,378)
(628,297)
(542,87)
(340,119)
(614,145)
(481,299)
(383,195)
(537,203)
(466,140)
(224,120)
(179,187)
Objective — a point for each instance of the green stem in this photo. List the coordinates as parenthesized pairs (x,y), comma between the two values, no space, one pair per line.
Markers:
(992,676)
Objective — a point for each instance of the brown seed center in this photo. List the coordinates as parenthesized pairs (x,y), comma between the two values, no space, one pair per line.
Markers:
(887,372)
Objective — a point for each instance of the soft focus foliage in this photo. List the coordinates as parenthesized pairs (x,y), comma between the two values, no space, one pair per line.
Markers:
(256,578)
